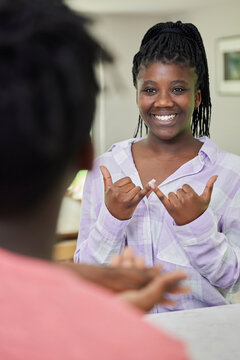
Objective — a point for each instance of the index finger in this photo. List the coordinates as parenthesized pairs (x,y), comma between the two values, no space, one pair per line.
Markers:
(106,177)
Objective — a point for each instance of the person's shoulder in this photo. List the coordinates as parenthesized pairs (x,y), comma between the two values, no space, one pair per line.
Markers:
(53,295)
(121,148)
(228,156)
(229,161)
(224,159)
(120,145)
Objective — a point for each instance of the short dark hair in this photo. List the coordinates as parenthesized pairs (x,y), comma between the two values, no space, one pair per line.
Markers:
(47,95)
(177,42)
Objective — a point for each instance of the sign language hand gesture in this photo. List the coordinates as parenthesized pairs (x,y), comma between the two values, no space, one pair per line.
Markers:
(186,205)
(155,291)
(122,197)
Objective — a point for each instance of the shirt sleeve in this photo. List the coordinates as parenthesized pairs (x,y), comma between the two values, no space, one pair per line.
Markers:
(100,234)
(213,246)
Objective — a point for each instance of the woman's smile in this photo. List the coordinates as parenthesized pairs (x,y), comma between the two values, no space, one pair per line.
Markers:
(165,120)
(166,97)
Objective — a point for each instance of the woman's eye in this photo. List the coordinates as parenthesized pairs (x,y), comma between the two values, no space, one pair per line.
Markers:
(149,90)
(178,90)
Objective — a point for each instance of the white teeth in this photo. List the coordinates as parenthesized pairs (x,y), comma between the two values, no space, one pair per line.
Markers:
(165,117)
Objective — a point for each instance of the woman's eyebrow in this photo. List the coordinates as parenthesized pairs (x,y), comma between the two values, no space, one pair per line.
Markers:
(182,81)
(151,82)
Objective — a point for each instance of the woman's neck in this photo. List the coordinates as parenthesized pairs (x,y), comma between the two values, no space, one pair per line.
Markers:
(179,146)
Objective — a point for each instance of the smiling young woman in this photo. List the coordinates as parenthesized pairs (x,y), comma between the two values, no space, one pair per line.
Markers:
(166,98)
(159,194)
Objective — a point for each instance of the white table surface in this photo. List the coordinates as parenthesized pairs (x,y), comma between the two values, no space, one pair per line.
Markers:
(208,333)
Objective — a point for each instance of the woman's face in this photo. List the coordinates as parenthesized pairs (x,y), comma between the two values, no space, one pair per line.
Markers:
(166,97)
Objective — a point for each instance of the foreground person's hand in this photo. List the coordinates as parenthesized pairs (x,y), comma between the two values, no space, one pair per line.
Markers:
(155,292)
(127,259)
(117,279)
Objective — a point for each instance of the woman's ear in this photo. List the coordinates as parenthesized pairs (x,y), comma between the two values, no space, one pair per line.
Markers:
(198,98)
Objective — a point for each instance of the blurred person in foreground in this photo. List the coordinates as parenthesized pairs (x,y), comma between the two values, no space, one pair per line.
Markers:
(47,101)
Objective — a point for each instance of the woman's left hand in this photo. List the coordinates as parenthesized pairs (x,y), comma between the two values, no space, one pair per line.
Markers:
(186,205)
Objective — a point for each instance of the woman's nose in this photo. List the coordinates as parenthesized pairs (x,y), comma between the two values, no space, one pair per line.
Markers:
(164,99)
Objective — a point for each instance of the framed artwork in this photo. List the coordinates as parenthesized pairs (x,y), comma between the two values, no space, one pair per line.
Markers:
(228,65)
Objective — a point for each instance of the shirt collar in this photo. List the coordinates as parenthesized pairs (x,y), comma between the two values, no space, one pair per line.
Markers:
(209,150)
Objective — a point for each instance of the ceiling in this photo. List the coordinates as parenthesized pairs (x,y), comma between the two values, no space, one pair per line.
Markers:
(140,6)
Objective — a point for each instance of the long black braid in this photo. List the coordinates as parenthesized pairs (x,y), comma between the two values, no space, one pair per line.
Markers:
(177,43)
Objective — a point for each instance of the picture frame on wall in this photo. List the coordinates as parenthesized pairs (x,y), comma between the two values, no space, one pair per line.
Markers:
(228,65)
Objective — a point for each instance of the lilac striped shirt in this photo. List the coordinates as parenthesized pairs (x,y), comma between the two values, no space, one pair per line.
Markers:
(207,249)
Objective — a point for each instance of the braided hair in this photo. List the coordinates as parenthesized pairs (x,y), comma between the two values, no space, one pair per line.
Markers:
(177,43)
(47,96)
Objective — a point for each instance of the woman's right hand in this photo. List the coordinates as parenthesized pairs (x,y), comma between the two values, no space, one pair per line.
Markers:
(122,197)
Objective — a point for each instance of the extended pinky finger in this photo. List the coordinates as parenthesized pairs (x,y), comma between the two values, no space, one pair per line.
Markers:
(137,194)
(162,198)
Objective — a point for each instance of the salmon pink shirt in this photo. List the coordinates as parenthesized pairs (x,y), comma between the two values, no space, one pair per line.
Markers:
(48,313)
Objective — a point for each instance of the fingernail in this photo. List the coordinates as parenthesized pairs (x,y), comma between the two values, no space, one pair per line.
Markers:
(151,183)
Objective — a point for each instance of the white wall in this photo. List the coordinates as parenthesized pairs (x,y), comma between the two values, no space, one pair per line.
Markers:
(213,23)
(123,33)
